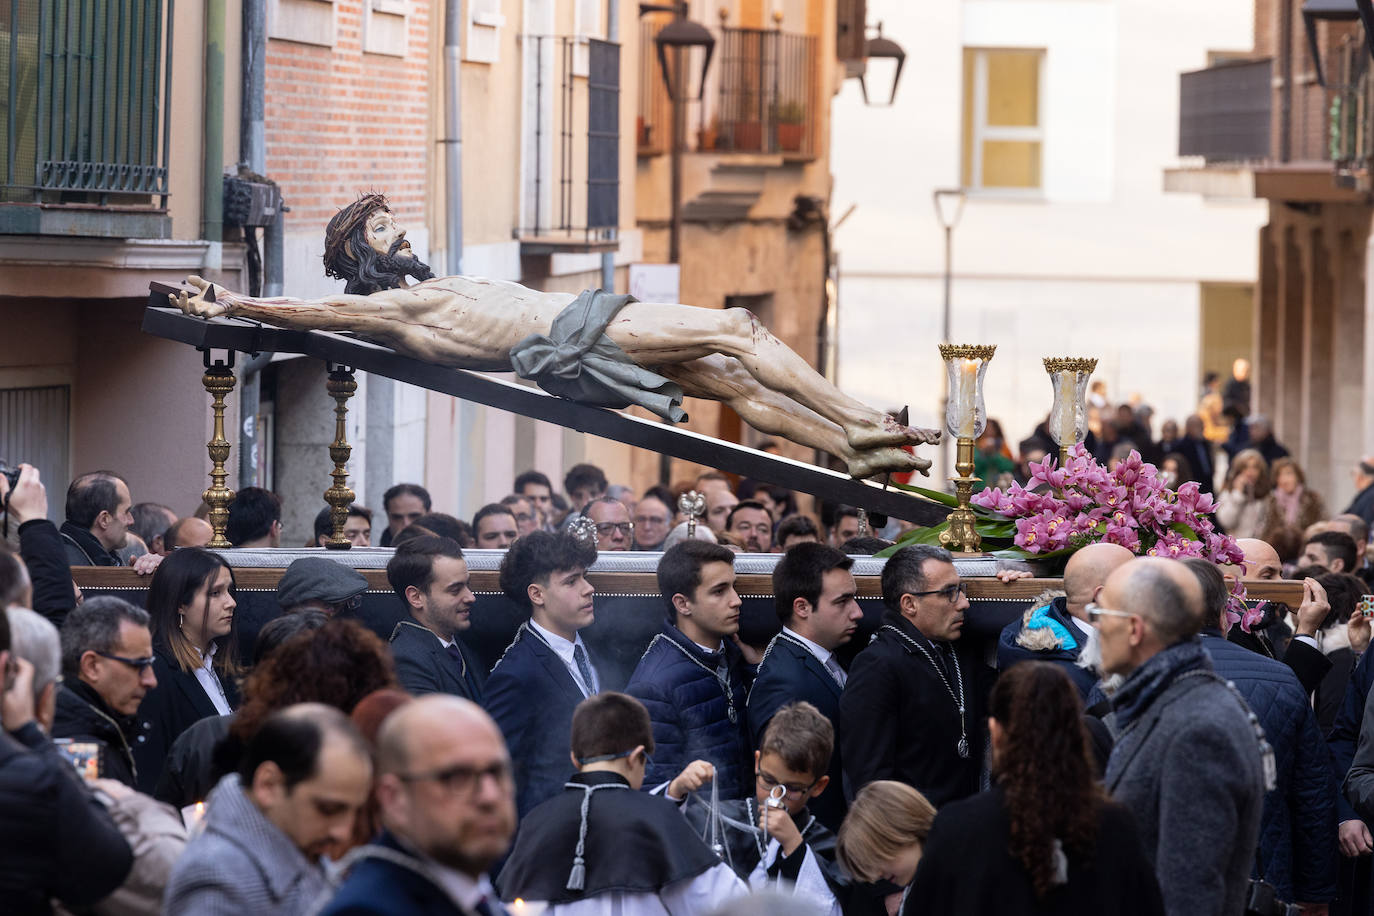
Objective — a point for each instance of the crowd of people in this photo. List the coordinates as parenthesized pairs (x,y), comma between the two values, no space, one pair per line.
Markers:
(1139,745)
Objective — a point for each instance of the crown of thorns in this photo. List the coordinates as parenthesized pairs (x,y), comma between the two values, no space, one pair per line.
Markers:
(339,260)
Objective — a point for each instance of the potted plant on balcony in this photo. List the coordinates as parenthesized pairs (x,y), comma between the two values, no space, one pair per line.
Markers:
(791,127)
(706,136)
(746,136)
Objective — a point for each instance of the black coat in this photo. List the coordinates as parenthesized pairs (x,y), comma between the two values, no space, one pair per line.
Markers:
(84,550)
(195,763)
(967,868)
(423,665)
(45,555)
(174,705)
(83,716)
(901,723)
(56,839)
(790,672)
(532,696)
(378,886)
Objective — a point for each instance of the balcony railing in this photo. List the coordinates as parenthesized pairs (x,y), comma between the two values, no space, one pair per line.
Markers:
(1349,132)
(1224,112)
(85,102)
(570,172)
(761,95)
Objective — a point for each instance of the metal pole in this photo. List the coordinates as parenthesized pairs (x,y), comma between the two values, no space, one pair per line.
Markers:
(679,128)
(212,164)
(453,131)
(612,34)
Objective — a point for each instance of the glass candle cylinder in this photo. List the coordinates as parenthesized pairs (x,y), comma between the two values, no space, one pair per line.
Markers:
(1069,413)
(965,415)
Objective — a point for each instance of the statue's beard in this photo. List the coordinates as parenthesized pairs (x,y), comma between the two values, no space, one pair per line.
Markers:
(388,271)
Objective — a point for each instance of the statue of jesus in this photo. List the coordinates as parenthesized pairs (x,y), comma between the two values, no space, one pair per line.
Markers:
(595,347)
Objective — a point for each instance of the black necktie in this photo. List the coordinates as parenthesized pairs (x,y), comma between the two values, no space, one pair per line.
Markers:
(946,655)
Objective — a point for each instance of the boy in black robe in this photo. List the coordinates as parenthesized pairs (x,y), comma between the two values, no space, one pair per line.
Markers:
(602,845)
(772,840)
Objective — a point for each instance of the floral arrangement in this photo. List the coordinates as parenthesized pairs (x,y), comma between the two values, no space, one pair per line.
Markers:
(1065,508)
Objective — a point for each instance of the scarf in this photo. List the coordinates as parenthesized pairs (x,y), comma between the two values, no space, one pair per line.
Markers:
(1145,684)
(1290,504)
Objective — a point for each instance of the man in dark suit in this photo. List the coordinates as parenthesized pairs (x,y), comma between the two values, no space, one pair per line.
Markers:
(813,591)
(445,792)
(912,706)
(546,671)
(430,575)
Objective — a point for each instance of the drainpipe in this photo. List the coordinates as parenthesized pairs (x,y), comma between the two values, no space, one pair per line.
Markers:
(253,133)
(453,131)
(212,178)
(1286,73)
(608,257)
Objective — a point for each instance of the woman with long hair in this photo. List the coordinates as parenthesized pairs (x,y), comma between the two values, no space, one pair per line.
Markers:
(883,836)
(1045,839)
(1240,508)
(195,653)
(1290,507)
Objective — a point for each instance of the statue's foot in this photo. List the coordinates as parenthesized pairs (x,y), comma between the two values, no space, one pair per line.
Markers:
(887,433)
(893,460)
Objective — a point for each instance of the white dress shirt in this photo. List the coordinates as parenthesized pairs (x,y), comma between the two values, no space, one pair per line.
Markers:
(564,650)
(210,683)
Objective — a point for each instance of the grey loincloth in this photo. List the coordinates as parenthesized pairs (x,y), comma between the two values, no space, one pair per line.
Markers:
(577,361)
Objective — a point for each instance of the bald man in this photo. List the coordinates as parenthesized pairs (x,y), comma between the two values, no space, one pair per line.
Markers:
(1059,631)
(1188,761)
(1301,652)
(448,807)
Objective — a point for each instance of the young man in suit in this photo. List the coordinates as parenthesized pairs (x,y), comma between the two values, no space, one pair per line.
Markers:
(912,706)
(546,671)
(430,576)
(814,596)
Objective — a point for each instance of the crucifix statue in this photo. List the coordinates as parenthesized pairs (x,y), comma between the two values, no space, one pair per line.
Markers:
(596,348)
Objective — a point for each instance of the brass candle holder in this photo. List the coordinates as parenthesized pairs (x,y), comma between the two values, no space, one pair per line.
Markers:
(341,386)
(218,381)
(965,419)
(1069,414)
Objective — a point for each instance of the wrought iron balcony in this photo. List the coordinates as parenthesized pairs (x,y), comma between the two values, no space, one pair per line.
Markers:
(84,107)
(761,95)
(1224,112)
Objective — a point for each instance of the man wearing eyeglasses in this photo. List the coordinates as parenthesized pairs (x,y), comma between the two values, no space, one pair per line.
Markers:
(1190,756)
(912,707)
(614,530)
(107,667)
(448,805)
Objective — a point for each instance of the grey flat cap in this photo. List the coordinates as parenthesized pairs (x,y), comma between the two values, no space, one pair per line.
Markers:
(318,579)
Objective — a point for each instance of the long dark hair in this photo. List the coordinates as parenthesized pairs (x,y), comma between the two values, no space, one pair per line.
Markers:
(1044,766)
(176,583)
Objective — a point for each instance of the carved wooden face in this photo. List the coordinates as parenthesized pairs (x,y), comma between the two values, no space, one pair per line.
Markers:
(385,236)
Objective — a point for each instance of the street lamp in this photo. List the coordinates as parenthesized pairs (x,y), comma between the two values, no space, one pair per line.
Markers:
(949,207)
(682,35)
(879,47)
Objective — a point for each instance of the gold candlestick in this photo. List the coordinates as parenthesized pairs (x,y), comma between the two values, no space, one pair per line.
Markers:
(965,419)
(341,386)
(218,381)
(1069,414)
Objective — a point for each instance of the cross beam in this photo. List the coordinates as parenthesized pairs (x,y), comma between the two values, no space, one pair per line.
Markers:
(242,336)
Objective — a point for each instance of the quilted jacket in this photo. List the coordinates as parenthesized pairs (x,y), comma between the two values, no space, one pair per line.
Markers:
(676,682)
(1345,733)
(1297,848)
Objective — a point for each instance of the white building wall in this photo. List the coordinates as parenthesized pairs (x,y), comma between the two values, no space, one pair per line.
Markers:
(1100,263)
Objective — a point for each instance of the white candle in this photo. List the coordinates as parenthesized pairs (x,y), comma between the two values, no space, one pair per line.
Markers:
(1068,433)
(968,397)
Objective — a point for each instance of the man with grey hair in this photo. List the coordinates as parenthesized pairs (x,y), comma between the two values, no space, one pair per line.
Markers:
(1191,760)
(107,667)
(912,706)
(34,639)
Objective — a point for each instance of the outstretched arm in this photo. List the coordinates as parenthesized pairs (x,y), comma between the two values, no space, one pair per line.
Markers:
(373,314)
